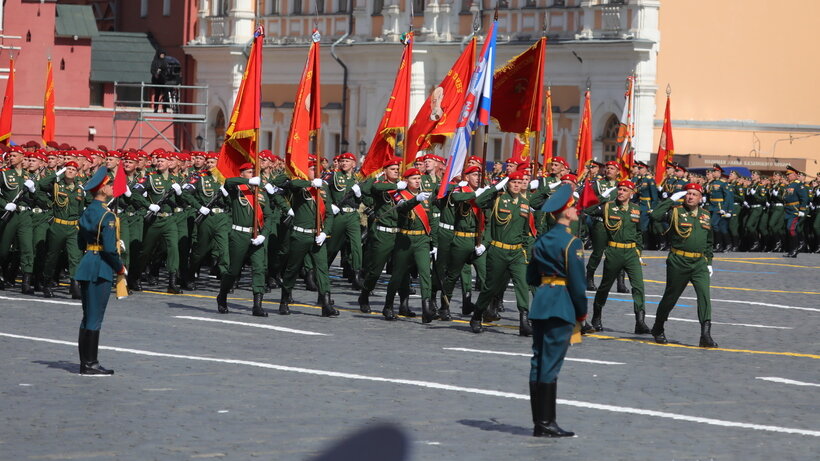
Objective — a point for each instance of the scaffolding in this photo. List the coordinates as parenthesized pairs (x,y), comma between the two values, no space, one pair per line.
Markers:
(133,102)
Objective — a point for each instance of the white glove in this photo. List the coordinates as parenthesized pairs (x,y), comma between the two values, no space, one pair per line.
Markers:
(121,245)
(768,204)
(30,185)
(534,184)
(60,171)
(576,195)
(317,182)
(127,191)
(502,183)
(270,189)
(678,195)
(401,185)
(223,190)
(609,191)
(774,194)
(462,183)
(665,195)
(479,250)
(153,208)
(255,181)
(11,206)
(703,200)
(660,188)
(746,204)
(357,191)
(555,184)
(710,270)
(423,196)
(177,189)
(335,209)
(752,191)
(434,252)
(641,261)
(728,215)
(290,212)
(204,210)
(260,239)
(800,214)
(320,239)
(481,190)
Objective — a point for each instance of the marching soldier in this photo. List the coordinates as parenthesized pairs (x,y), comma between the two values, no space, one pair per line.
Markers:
(647,197)
(689,260)
(738,197)
(603,189)
(777,214)
(344,197)
(133,206)
(796,201)
(15,190)
(721,204)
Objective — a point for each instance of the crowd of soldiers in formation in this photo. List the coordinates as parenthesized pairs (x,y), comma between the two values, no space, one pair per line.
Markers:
(176,216)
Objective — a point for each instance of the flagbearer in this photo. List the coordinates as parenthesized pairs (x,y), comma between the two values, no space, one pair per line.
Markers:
(603,189)
(97,236)
(345,195)
(557,268)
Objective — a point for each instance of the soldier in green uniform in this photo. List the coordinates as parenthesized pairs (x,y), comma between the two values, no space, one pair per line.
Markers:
(738,197)
(16,192)
(557,268)
(40,213)
(310,201)
(603,190)
(777,214)
(344,198)
(97,237)
(795,205)
(621,219)
(415,243)
(132,207)
(243,245)
(756,197)
(558,168)
(510,224)
(721,203)
(67,204)
(430,181)
(647,197)
(689,260)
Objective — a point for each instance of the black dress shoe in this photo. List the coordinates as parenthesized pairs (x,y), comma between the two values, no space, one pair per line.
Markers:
(475,323)
(586,329)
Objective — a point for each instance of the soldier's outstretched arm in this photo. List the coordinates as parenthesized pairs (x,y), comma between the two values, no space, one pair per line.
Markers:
(660,209)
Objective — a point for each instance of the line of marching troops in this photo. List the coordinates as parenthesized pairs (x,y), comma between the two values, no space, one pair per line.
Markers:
(178,217)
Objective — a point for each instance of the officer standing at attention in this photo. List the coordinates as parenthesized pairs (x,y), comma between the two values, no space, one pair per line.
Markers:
(721,201)
(557,268)
(796,202)
(98,238)
(689,260)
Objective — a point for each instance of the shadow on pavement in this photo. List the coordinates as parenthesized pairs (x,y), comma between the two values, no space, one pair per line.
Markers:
(493,425)
(71,367)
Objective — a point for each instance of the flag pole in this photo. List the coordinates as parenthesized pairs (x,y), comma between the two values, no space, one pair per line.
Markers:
(319,154)
(535,152)
(257,164)
(485,138)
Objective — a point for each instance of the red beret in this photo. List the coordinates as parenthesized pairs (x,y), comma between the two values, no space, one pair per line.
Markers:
(17,149)
(472,169)
(569,177)
(434,157)
(474,158)
(512,160)
(53,144)
(199,154)
(391,162)
(411,172)
(517,174)
(246,166)
(113,153)
(33,144)
(265,153)
(693,186)
(72,164)
(132,156)
(613,163)
(158,151)
(347,156)
(627,183)
(213,155)
(524,165)
(561,160)
(273,157)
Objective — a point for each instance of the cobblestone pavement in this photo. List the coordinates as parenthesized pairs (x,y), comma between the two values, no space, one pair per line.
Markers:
(189,385)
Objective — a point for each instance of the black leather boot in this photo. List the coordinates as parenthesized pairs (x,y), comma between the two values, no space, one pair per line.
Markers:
(475,322)
(387,312)
(222,297)
(258,310)
(778,244)
(597,312)
(92,365)
(755,246)
(795,246)
(310,281)
(444,312)
(74,288)
(622,288)
(404,308)
(586,328)
(434,307)
(284,303)
(364,302)
(467,306)
(590,280)
(491,313)
(427,313)
(706,335)
(189,281)
(524,324)
(172,284)
(27,288)
(545,424)
(327,306)
(640,324)
(498,303)
(81,348)
(47,292)
(658,333)
(357,280)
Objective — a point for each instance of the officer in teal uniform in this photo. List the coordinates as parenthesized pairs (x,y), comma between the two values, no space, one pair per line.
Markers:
(97,237)
(557,268)
(721,201)
(795,202)
(646,196)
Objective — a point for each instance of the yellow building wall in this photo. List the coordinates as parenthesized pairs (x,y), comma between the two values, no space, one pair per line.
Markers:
(741,60)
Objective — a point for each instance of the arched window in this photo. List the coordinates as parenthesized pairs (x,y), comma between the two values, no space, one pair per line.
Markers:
(219,129)
(62,64)
(610,138)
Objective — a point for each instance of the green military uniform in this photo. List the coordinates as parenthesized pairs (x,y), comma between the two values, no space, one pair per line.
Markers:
(544,221)
(132,219)
(597,232)
(777,215)
(756,228)
(17,229)
(184,217)
(689,260)
(815,206)
(721,203)
(795,206)
(346,228)
(67,204)
(40,217)
(213,228)
(381,237)
(623,252)
(646,196)
(738,197)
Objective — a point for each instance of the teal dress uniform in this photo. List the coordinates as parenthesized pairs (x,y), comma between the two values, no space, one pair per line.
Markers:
(796,202)
(721,201)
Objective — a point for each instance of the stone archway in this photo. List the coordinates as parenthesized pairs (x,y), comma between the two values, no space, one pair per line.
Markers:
(609,138)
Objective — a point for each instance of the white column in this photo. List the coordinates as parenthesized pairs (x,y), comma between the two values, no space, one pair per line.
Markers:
(391,22)
(589,20)
(444,22)
(363,24)
(202,21)
(241,19)
(431,16)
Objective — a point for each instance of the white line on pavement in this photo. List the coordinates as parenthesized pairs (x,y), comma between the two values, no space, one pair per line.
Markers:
(519,354)
(446,387)
(254,325)
(753,325)
(753,303)
(40,300)
(775,379)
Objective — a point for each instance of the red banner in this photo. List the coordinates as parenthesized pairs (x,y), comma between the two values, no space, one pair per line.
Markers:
(548,137)
(518,91)
(666,147)
(307,114)
(584,149)
(240,144)
(47,130)
(438,117)
(120,181)
(8,108)
(395,116)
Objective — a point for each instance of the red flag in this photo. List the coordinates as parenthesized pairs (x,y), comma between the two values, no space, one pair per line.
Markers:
(438,117)
(8,107)
(521,148)
(588,196)
(626,130)
(584,149)
(307,114)
(240,144)
(120,181)
(666,148)
(518,91)
(47,130)
(395,116)
(548,137)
